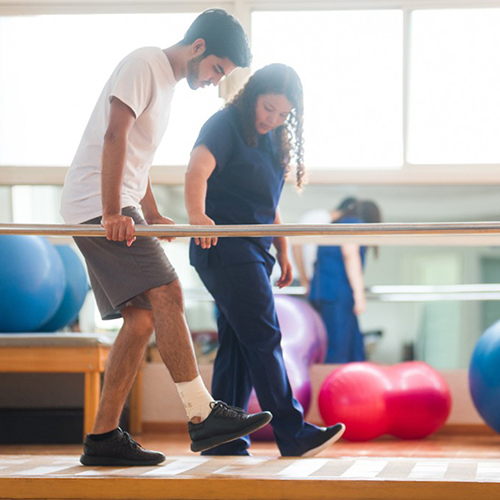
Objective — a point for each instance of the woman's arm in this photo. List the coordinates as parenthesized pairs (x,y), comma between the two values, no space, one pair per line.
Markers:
(354,271)
(201,165)
(281,245)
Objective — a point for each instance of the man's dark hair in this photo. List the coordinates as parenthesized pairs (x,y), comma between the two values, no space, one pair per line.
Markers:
(223,34)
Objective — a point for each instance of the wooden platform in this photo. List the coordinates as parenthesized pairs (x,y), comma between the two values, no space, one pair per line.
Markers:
(441,467)
(243,478)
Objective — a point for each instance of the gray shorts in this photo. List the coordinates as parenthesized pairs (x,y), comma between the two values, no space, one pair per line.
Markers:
(119,274)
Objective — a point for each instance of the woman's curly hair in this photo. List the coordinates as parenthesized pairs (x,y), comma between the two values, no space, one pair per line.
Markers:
(276,79)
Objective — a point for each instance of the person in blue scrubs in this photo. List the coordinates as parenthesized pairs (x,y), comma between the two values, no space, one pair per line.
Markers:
(337,288)
(235,176)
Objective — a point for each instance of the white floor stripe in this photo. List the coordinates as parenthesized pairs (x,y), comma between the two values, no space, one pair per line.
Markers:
(40,471)
(240,465)
(429,470)
(365,468)
(101,471)
(15,461)
(488,470)
(303,468)
(70,461)
(135,471)
(177,467)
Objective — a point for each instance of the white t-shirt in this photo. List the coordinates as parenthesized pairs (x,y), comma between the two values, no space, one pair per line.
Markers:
(145,82)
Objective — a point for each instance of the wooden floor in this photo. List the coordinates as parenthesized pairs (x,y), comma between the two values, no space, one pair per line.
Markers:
(440,467)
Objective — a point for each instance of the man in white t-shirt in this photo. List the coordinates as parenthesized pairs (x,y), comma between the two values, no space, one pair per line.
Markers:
(108,183)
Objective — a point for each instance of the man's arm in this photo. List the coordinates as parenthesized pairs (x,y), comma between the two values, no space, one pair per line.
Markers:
(201,165)
(121,119)
(280,242)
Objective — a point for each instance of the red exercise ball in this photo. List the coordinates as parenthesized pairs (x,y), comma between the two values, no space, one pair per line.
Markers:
(409,400)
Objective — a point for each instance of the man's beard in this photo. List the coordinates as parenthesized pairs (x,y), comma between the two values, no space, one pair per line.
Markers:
(193,74)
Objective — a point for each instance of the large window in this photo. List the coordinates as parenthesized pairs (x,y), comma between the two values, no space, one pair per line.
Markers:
(454,112)
(388,85)
(351,67)
(52,70)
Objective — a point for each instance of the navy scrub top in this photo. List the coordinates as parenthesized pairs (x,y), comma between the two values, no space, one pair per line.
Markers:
(244,188)
(330,281)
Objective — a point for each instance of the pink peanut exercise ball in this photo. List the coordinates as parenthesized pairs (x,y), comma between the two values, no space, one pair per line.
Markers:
(304,341)
(408,400)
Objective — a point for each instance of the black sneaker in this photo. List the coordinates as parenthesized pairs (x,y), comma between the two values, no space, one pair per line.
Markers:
(118,449)
(225,423)
(324,439)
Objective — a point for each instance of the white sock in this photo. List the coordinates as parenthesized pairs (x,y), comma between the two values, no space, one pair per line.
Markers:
(195,398)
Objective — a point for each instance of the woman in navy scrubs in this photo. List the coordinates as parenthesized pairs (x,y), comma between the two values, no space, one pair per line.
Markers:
(337,287)
(235,176)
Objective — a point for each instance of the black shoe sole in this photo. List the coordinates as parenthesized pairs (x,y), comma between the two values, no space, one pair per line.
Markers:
(206,444)
(110,461)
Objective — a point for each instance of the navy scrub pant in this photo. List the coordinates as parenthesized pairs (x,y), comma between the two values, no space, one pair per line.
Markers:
(250,355)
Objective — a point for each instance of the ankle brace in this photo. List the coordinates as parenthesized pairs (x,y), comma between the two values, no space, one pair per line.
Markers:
(195,398)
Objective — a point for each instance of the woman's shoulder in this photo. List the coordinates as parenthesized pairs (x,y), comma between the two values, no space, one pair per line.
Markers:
(227,114)
(226,118)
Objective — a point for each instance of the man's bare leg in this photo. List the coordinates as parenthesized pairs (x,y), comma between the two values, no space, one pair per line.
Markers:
(177,351)
(122,366)
(172,334)
(108,445)
(174,343)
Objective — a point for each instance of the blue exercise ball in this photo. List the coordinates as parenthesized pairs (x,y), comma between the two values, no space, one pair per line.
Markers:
(484,376)
(75,291)
(32,282)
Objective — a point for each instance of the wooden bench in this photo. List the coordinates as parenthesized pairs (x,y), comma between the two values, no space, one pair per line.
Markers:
(68,353)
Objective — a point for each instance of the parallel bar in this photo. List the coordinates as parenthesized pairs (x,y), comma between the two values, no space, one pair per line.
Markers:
(397,293)
(179,230)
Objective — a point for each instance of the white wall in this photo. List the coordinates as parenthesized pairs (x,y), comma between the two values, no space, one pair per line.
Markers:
(162,404)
